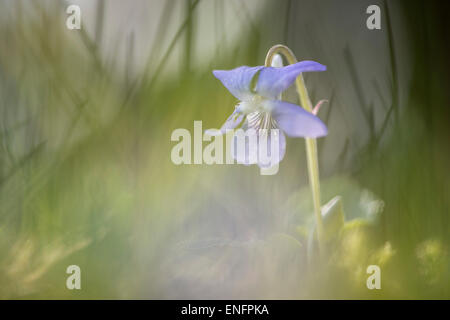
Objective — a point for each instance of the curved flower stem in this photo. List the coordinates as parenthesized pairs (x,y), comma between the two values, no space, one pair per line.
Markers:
(311,145)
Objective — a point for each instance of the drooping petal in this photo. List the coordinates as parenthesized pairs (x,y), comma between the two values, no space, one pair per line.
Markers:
(297,122)
(238,81)
(273,81)
(232,122)
(265,148)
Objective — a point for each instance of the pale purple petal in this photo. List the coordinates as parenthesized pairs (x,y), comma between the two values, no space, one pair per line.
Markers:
(273,81)
(238,80)
(232,122)
(246,153)
(297,122)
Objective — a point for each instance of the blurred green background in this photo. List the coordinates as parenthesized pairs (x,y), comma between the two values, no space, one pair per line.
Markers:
(86,176)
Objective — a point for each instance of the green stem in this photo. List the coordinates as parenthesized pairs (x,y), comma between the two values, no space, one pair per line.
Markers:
(311,145)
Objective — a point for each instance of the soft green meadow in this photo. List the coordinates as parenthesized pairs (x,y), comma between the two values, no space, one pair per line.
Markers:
(86,176)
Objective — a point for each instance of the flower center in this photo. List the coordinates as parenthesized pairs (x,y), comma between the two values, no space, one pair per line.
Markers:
(261,120)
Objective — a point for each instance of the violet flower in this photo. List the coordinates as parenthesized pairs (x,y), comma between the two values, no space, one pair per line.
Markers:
(259,89)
